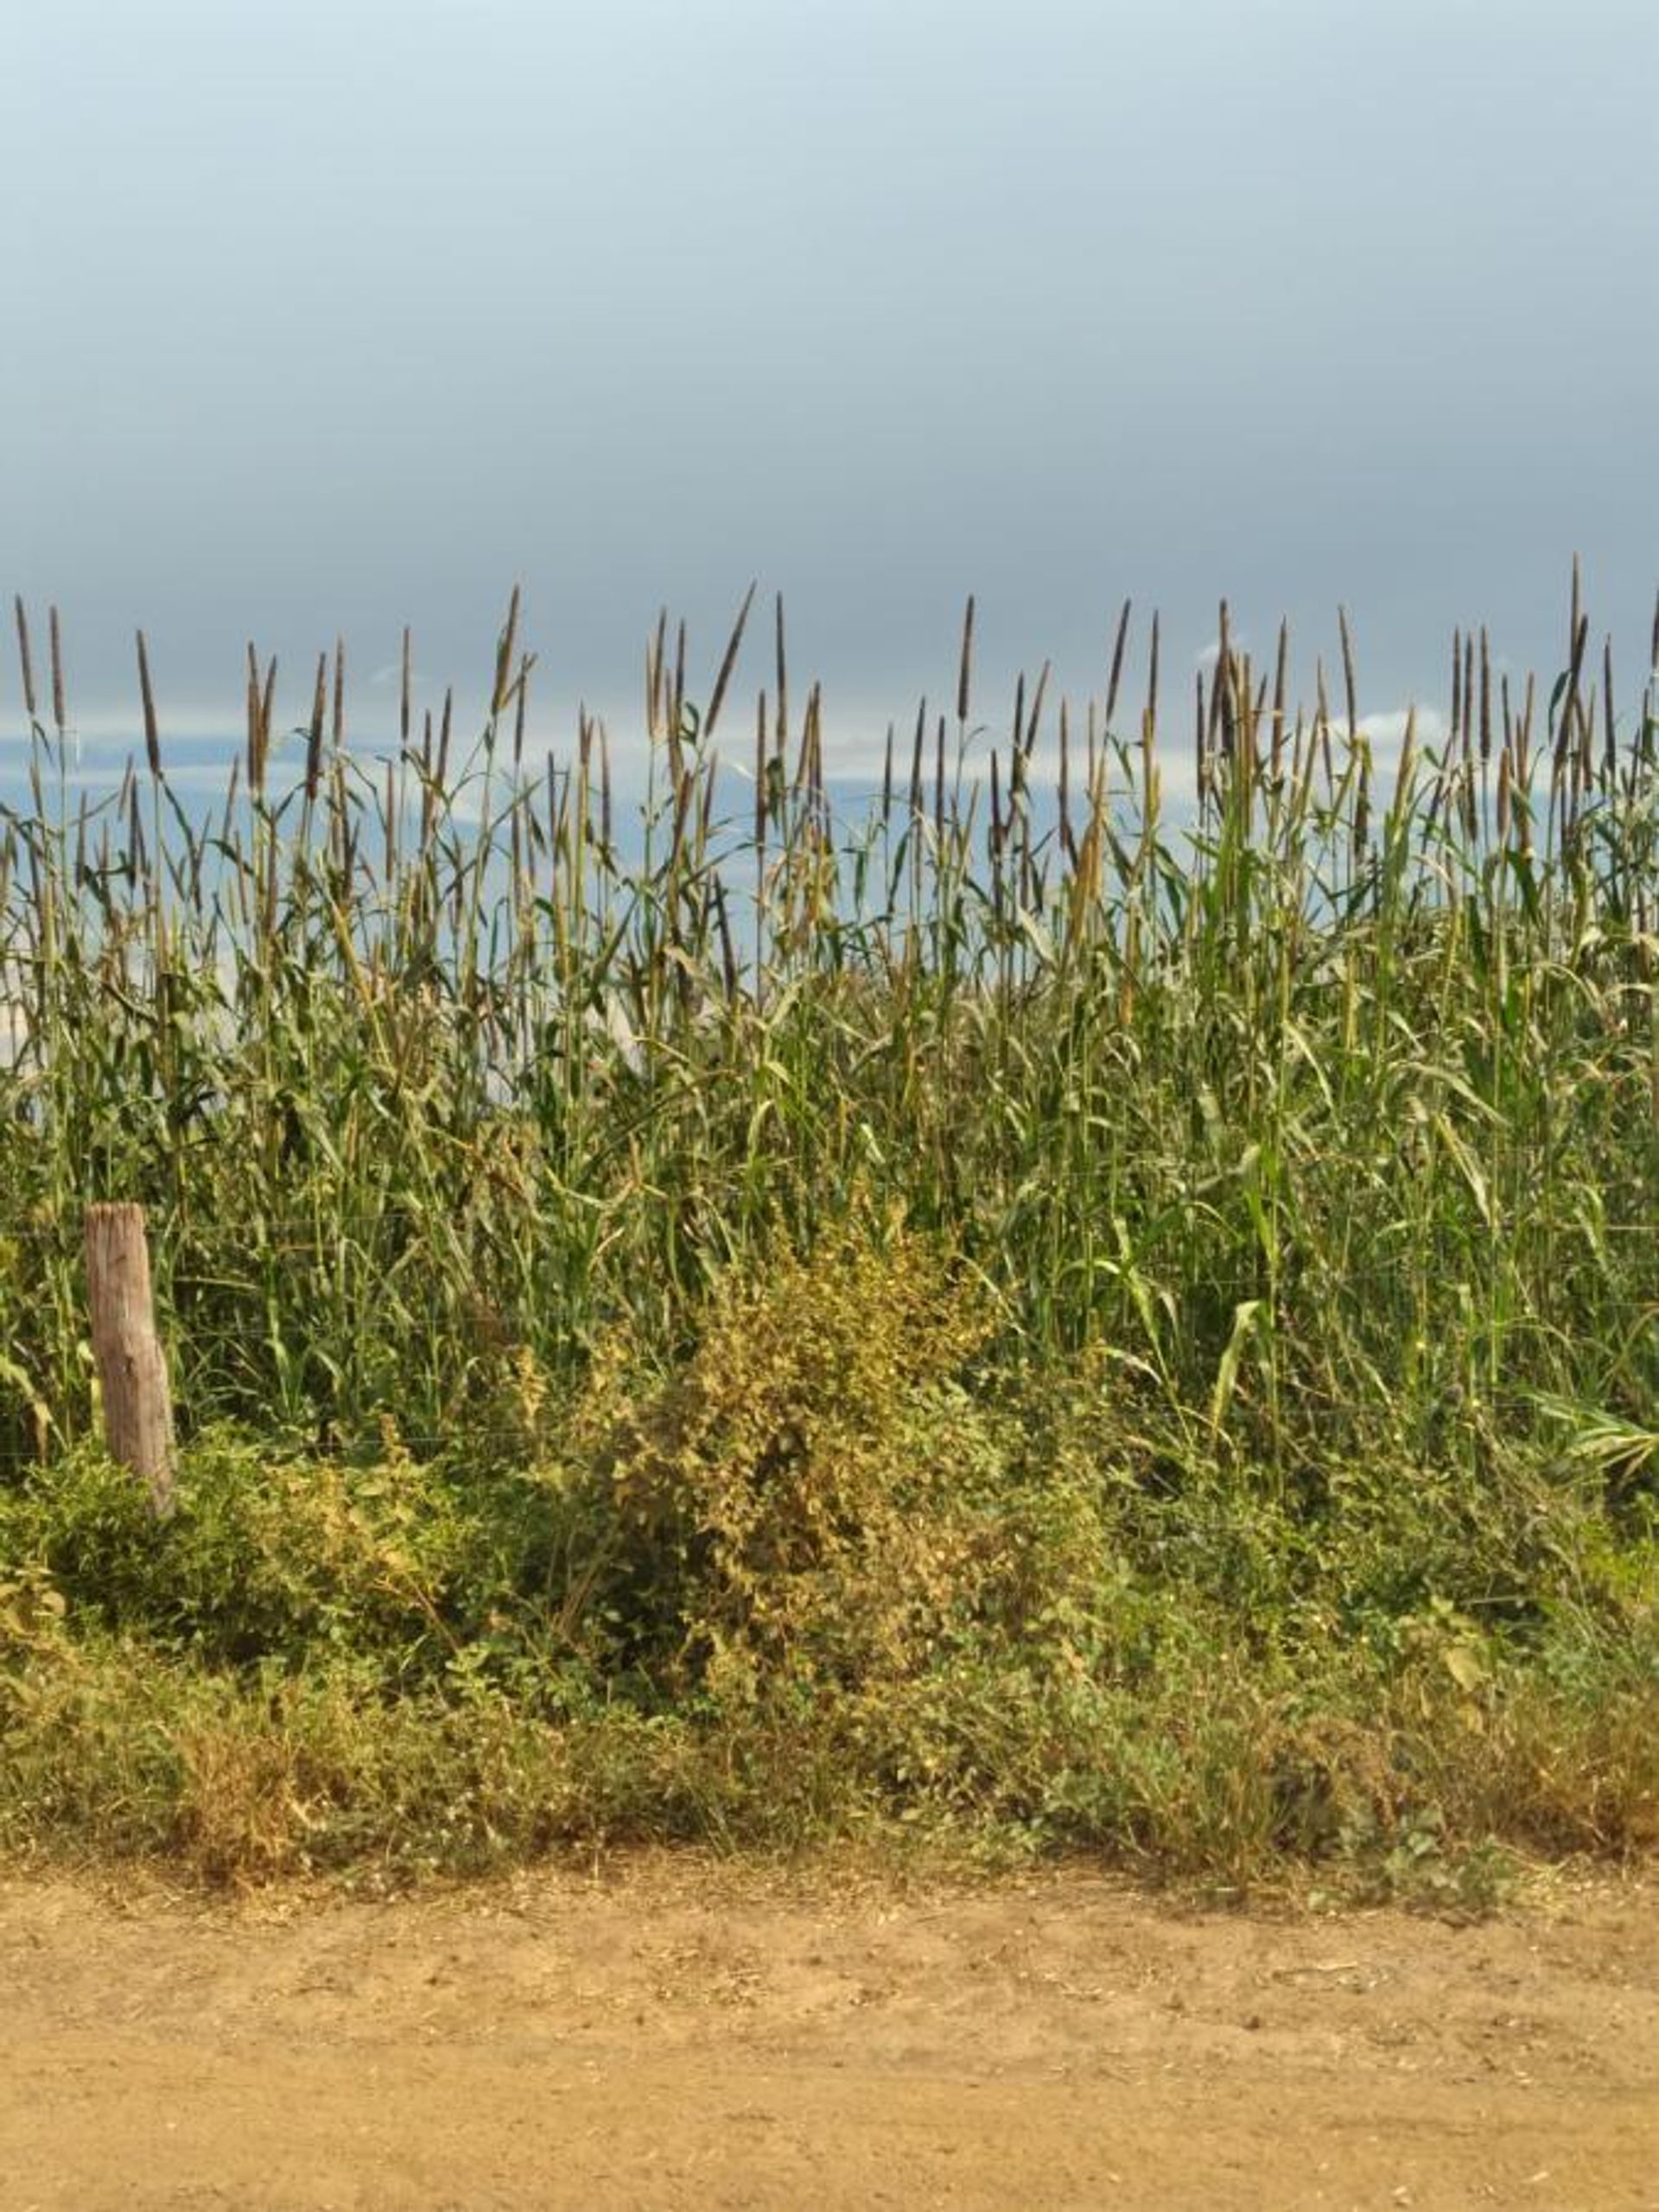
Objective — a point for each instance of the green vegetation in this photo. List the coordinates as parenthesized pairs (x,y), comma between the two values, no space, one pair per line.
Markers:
(1028,1315)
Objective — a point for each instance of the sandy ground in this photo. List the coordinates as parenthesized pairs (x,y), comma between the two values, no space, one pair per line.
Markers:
(674,2034)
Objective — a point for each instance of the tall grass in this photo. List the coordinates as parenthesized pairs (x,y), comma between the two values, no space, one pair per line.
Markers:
(1129,1319)
(1326,1100)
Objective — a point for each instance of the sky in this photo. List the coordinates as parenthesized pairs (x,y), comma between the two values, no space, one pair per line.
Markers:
(326,318)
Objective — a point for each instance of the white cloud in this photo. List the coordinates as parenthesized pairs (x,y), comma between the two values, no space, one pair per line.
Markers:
(1386,732)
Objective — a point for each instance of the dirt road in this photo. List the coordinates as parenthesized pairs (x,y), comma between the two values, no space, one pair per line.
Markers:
(674,2035)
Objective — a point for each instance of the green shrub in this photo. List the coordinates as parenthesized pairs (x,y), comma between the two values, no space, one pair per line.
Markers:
(268,1558)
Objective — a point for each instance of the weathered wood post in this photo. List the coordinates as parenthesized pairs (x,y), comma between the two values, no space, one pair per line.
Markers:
(137,1403)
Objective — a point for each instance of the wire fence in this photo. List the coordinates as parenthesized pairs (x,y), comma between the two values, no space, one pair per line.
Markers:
(358,1425)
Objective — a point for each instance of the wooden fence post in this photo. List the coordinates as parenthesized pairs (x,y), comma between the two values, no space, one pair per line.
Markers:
(137,1404)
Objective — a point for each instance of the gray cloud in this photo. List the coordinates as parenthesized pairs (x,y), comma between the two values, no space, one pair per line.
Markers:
(333,317)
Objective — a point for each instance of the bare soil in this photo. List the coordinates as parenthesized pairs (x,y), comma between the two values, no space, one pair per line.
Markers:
(674,2034)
